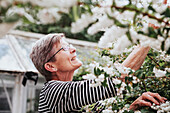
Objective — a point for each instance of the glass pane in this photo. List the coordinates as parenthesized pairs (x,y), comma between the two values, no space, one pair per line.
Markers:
(7,58)
(26,46)
(4,106)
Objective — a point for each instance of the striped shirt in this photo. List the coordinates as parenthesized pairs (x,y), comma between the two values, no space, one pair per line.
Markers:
(61,97)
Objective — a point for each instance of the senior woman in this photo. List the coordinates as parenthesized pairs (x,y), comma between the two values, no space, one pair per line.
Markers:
(56,60)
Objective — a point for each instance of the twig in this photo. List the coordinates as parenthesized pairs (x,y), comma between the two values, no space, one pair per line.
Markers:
(153,60)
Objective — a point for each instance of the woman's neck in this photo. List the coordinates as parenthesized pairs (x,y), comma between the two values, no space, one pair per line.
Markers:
(63,76)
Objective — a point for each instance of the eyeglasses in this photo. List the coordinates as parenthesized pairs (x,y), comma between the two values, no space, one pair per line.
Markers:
(65,48)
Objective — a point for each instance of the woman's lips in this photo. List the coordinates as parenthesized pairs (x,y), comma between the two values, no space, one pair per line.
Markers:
(74,58)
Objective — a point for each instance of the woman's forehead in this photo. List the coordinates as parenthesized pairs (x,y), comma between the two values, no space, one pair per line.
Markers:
(63,42)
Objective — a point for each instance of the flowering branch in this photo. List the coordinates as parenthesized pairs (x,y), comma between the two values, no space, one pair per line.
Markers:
(131,9)
(143,13)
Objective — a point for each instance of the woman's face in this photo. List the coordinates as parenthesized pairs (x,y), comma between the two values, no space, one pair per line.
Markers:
(66,60)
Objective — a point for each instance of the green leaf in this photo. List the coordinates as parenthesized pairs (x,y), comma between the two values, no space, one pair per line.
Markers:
(167,12)
(106,75)
(75,13)
(140,32)
(116,22)
(159,32)
(129,36)
(163,45)
(151,8)
(87,1)
(128,88)
(134,18)
(104,83)
(152,32)
(12,18)
(168,52)
(167,74)
(126,79)
(130,2)
(97,71)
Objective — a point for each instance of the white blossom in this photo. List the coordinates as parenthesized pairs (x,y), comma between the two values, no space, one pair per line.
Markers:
(127,50)
(87,108)
(160,8)
(109,70)
(100,78)
(146,20)
(107,111)
(137,111)
(89,77)
(147,41)
(82,23)
(160,38)
(123,18)
(95,84)
(135,80)
(121,3)
(110,36)
(167,44)
(163,56)
(122,43)
(99,11)
(111,100)
(120,90)
(159,73)
(106,3)
(167,69)
(21,12)
(66,3)
(103,22)
(53,3)
(122,69)
(5,3)
(116,81)
(92,66)
(162,108)
(48,16)
(134,35)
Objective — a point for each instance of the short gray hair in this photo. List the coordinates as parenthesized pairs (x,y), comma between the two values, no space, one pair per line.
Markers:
(41,52)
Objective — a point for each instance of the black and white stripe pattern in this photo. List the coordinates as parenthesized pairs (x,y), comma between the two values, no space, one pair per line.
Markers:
(62,97)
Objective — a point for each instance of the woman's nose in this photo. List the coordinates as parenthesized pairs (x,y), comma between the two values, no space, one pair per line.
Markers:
(72,49)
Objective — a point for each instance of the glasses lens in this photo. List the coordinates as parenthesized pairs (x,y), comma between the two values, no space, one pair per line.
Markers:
(67,47)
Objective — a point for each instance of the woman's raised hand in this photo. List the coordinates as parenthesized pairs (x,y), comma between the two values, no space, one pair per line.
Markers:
(146,99)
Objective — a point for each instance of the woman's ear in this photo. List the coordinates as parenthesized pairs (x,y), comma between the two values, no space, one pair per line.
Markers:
(50,67)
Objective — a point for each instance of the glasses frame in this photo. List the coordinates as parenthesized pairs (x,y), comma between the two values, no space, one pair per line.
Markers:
(50,50)
(54,54)
(62,48)
(66,48)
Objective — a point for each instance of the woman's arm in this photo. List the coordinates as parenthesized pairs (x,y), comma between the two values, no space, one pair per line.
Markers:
(135,59)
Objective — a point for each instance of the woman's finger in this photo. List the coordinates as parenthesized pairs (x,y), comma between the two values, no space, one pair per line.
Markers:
(144,103)
(157,96)
(146,96)
(164,98)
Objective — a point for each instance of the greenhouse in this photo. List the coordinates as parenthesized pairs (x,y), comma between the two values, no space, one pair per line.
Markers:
(68,56)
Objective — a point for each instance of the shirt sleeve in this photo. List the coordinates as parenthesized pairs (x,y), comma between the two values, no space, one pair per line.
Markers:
(81,93)
(69,96)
